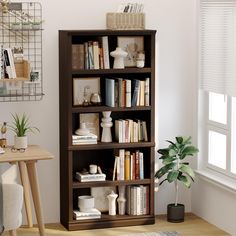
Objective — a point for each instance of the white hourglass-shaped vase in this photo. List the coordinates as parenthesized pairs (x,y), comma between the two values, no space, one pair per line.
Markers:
(119,55)
(121,200)
(106,124)
(112,203)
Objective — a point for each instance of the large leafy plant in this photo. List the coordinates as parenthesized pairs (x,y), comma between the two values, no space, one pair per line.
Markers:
(174,168)
(21,125)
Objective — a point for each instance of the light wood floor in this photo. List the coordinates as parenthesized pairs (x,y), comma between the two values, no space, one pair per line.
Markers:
(193,226)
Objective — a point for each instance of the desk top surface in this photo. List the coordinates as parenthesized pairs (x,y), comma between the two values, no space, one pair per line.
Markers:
(32,153)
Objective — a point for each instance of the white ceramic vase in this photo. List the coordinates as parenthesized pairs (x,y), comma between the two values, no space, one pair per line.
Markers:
(112,203)
(121,200)
(20,142)
(119,55)
(106,125)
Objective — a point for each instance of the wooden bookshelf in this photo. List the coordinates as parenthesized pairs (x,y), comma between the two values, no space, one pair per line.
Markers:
(76,157)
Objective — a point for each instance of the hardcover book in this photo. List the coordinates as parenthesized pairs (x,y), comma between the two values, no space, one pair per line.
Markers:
(89,177)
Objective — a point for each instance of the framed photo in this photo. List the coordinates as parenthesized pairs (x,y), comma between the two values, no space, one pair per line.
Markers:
(83,88)
(132,45)
(35,76)
(100,197)
(91,121)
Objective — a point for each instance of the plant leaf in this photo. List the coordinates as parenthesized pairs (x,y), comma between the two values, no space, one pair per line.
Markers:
(172,176)
(164,151)
(163,170)
(162,182)
(187,140)
(187,170)
(179,139)
(185,180)
(168,160)
(189,150)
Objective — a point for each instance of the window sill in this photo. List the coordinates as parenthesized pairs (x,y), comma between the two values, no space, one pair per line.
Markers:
(223,182)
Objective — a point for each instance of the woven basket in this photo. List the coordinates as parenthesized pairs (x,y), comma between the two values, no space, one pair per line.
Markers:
(125,21)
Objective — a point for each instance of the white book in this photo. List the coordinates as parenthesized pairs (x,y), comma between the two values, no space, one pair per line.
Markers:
(87,217)
(105,52)
(12,65)
(96,55)
(122,163)
(146,92)
(128,93)
(83,142)
(90,177)
(90,136)
(91,212)
(138,199)
(141,95)
(141,165)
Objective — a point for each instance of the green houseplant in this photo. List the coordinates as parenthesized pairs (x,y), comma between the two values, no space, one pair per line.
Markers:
(21,126)
(175,169)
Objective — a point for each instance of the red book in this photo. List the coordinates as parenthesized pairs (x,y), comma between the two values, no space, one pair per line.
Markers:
(137,169)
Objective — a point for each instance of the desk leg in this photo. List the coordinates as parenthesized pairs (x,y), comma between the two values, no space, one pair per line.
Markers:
(25,183)
(32,173)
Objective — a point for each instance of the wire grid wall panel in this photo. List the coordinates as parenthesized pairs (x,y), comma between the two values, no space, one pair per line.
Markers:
(30,40)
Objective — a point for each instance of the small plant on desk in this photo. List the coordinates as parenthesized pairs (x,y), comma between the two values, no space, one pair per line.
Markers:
(21,126)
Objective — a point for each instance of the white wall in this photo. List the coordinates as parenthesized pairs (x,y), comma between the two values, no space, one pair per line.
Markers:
(215,205)
(176,71)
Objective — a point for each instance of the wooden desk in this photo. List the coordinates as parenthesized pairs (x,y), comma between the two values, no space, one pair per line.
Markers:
(27,166)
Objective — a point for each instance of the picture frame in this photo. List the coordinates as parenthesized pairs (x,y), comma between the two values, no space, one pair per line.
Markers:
(92,123)
(100,197)
(83,88)
(132,45)
(35,76)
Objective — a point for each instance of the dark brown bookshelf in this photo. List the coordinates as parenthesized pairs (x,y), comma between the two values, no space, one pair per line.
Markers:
(76,157)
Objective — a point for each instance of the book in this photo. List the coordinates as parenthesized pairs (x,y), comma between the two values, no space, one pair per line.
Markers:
(146,92)
(85,177)
(141,96)
(122,163)
(84,142)
(110,92)
(141,165)
(105,48)
(86,57)
(91,214)
(96,55)
(90,55)
(127,165)
(7,63)
(128,93)
(136,86)
(77,56)
(90,136)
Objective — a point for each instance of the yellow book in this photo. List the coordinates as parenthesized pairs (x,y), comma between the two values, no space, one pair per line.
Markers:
(127,165)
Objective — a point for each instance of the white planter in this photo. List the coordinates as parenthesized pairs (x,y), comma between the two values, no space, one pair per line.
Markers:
(21,142)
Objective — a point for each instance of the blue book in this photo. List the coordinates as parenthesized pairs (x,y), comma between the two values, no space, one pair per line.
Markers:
(136,85)
(110,92)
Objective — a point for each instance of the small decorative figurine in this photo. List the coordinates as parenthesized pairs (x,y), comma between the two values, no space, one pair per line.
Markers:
(119,55)
(106,125)
(112,203)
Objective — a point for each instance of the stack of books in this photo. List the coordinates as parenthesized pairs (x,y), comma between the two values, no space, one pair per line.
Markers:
(84,139)
(90,214)
(86,177)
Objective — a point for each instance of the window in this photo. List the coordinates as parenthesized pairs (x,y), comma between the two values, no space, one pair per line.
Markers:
(217,61)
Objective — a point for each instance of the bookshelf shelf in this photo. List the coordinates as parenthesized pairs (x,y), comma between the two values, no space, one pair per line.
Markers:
(110,146)
(75,158)
(77,184)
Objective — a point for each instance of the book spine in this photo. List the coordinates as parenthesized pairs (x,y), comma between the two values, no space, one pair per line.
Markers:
(77,56)
(12,65)
(122,164)
(110,92)
(105,52)
(90,55)
(128,93)
(96,55)
(127,165)
(86,56)
(147,93)
(137,174)
(142,87)
(135,93)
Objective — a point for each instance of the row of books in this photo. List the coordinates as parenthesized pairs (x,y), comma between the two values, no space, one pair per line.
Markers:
(91,55)
(126,93)
(130,8)
(7,66)
(90,214)
(130,131)
(84,139)
(137,200)
(128,165)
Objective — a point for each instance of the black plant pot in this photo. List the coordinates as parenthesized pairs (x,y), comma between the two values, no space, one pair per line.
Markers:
(175,214)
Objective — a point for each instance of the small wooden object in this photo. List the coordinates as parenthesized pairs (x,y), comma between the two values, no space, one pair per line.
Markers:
(22,70)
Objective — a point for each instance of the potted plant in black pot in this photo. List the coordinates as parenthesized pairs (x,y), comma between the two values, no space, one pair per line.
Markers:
(175,169)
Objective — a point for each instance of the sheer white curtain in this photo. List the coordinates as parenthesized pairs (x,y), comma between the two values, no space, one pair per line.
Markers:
(218,46)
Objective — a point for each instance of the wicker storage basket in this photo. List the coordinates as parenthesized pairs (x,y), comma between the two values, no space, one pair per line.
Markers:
(125,21)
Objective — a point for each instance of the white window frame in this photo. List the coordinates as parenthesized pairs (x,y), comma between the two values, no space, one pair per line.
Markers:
(204,126)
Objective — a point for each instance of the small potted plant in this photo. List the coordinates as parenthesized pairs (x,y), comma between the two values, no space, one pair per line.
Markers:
(37,24)
(16,26)
(26,25)
(176,169)
(21,127)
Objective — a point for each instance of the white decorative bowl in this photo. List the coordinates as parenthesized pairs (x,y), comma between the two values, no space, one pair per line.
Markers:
(85,203)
